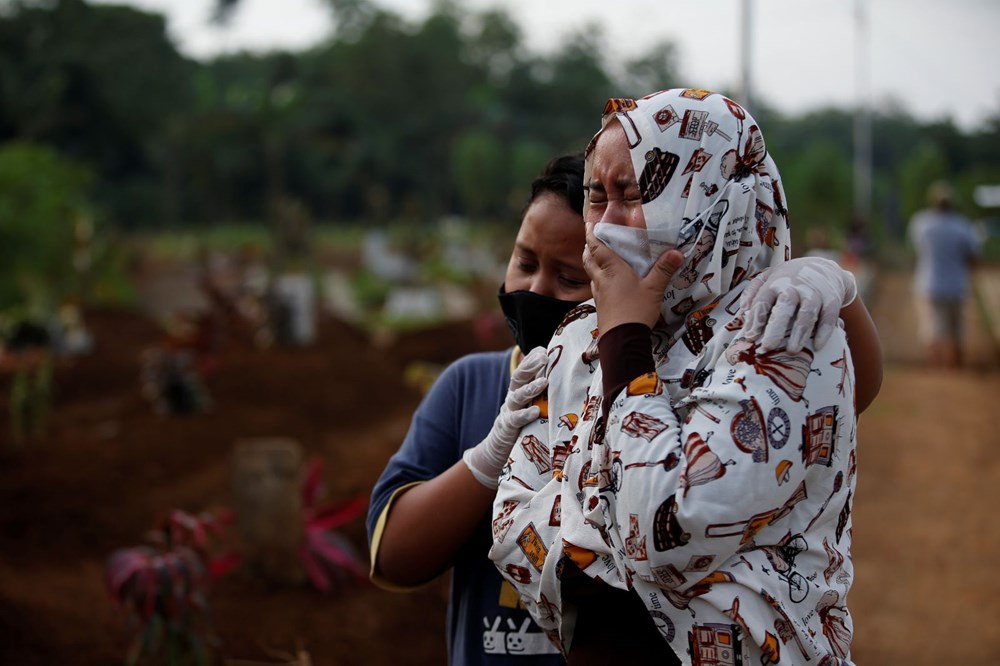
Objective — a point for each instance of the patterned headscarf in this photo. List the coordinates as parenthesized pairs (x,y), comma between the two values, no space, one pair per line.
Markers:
(708,185)
(692,488)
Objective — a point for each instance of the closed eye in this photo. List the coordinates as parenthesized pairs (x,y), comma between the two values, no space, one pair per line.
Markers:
(596,193)
(573,283)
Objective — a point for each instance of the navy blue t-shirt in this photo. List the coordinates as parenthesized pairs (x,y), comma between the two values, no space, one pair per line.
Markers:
(485,625)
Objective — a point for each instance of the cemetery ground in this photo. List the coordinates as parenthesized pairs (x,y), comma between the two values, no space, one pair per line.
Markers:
(925,530)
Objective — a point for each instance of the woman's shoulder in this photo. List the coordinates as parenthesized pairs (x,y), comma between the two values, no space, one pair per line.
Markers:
(578,325)
(573,358)
(477,366)
(468,378)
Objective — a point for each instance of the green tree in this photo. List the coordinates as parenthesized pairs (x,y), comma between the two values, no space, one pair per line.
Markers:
(923,166)
(818,184)
(477,164)
(656,69)
(101,83)
(496,45)
(574,86)
(43,199)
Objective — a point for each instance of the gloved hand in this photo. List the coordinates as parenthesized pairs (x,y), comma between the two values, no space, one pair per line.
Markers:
(809,290)
(488,458)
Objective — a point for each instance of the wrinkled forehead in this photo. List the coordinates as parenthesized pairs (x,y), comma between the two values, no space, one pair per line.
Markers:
(608,120)
(684,142)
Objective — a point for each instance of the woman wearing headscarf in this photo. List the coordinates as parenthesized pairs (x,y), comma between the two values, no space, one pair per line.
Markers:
(686,496)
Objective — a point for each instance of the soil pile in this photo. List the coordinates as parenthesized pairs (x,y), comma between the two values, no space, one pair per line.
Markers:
(109,467)
(924,532)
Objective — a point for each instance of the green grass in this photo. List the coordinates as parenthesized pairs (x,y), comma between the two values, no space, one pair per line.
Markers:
(424,243)
(187,243)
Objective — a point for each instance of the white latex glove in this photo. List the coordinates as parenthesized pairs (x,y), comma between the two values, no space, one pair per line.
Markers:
(806,294)
(488,458)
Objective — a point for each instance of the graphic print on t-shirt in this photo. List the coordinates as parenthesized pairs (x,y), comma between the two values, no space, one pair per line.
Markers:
(513,640)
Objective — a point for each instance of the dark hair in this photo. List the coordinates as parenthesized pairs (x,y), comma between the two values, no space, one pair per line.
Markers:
(563,175)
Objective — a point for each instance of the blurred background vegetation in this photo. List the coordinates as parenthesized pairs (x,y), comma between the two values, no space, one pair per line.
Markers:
(107,131)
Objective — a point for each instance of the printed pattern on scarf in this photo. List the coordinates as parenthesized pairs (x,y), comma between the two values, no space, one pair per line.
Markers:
(719,488)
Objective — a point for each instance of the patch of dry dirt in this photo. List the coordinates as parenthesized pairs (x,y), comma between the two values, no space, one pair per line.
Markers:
(925,534)
(925,528)
(109,467)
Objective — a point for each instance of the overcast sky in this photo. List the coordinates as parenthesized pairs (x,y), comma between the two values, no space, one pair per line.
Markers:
(935,58)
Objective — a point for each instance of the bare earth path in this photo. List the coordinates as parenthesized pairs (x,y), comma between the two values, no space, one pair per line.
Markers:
(926,531)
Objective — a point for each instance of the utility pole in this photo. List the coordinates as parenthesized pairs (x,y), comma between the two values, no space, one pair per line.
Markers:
(746,51)
(862,116)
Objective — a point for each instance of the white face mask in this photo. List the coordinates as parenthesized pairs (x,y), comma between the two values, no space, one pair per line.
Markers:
(640,248)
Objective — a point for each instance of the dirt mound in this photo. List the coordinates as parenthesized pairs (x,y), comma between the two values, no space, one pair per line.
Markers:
(108,467)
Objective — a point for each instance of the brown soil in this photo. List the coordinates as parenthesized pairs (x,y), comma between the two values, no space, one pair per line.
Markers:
(925,532)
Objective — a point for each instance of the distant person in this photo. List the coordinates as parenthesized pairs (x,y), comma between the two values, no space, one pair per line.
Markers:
(429,510)
(859,246)
(947,249)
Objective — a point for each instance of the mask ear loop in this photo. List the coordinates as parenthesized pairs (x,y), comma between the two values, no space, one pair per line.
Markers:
(703,216)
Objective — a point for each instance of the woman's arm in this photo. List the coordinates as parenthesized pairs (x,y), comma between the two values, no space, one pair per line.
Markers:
(424,525)
(682,474)
(427,524)
(801,299)
(866,352)
(528,509)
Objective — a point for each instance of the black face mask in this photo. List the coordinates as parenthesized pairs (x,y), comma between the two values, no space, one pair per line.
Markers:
(532,318)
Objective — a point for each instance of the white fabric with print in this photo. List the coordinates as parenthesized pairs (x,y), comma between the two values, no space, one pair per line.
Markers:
(720,487)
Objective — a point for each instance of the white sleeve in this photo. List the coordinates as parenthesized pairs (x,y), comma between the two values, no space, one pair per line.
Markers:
(527,545)
(730,465)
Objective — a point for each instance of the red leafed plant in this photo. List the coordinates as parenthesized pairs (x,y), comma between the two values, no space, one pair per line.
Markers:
(163,588)
(205,533)
(328,557)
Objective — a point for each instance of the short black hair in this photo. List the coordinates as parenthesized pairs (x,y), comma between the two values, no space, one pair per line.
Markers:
(563,176)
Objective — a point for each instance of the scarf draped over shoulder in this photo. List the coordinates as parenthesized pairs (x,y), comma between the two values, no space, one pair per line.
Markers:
(717,488)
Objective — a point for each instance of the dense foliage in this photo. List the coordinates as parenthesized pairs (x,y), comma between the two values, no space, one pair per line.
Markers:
(387,120)
(42,214)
